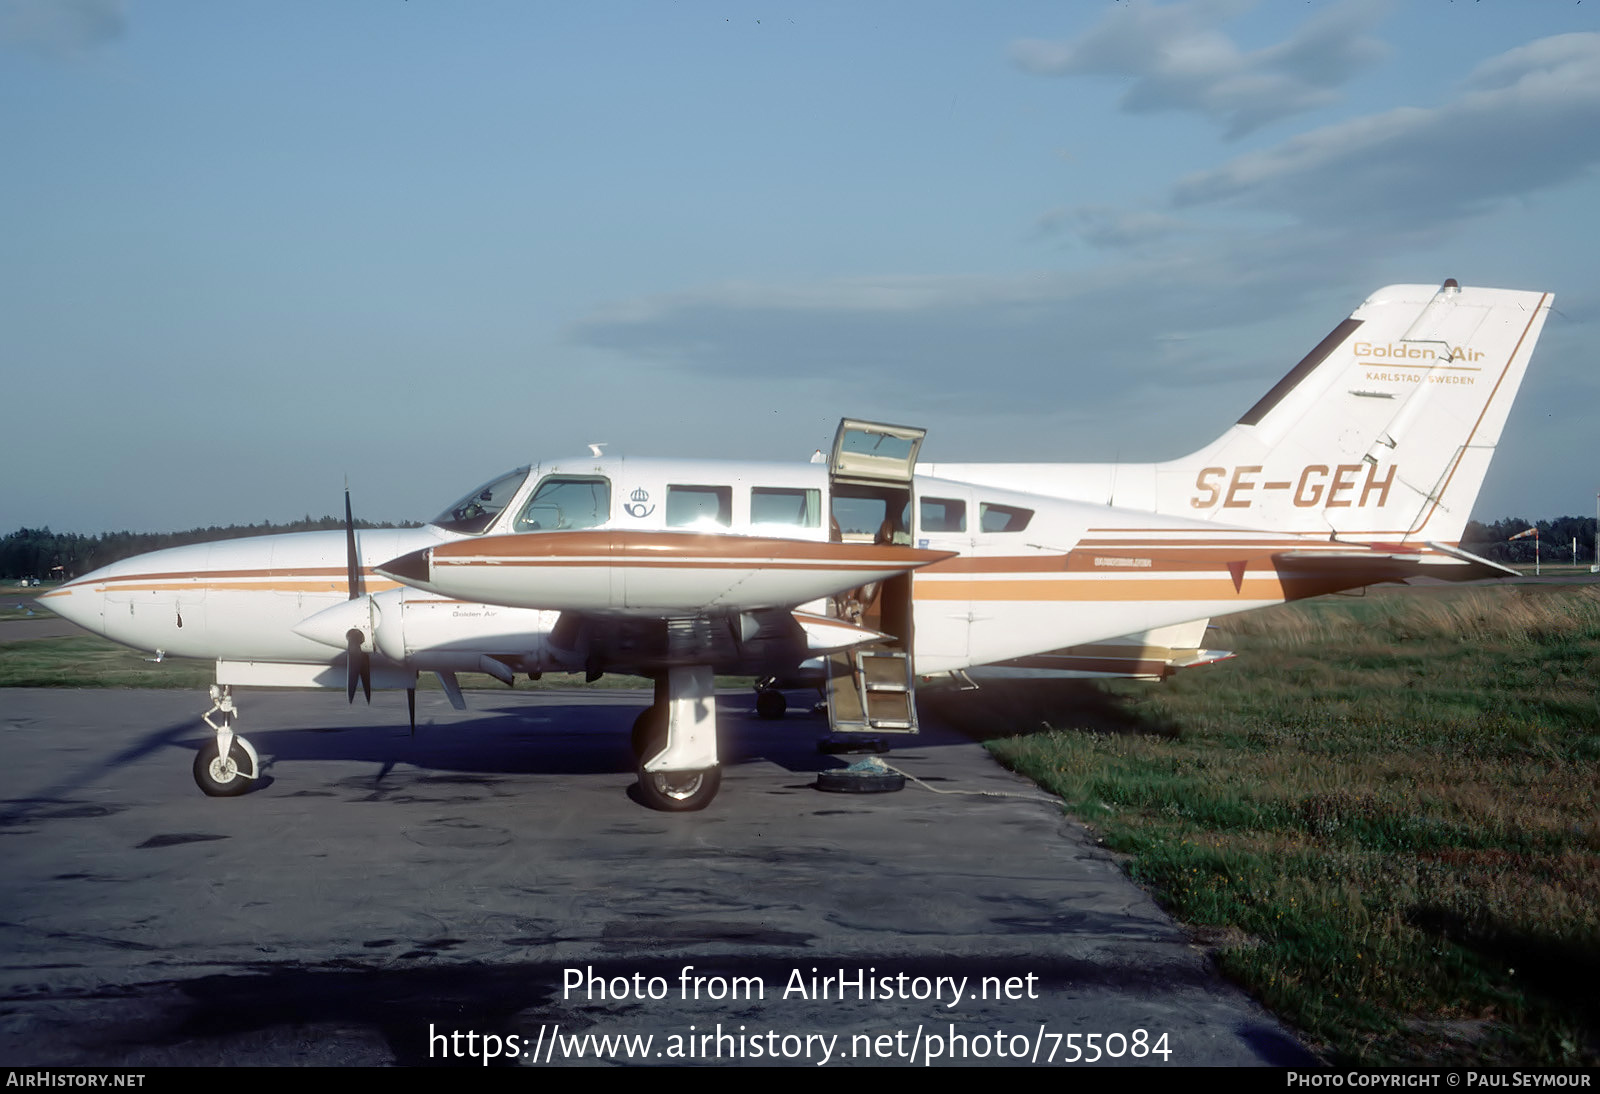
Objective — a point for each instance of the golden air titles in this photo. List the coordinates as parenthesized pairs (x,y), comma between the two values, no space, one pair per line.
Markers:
(1430,367)
(1400,351)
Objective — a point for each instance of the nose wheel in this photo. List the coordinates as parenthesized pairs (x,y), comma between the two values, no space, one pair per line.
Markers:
(226,765)
(218,777)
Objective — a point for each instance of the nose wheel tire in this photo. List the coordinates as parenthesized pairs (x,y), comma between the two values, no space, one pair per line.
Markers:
(218,777)
(679,791)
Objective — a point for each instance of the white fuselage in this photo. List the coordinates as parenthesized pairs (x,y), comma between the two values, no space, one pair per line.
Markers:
(1032,573)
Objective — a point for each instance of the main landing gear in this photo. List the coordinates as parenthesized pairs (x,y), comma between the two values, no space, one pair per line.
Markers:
(771,704)
(675,742)
(226,765)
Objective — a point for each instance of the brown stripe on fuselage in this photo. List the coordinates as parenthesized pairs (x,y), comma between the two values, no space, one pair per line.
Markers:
(376,585)
(295,573)
(1110,585)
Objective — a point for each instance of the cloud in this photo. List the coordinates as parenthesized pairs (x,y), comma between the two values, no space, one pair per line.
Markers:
(1526,121)
(1110,228)
(1021,343)
(1177,59)
(1200,305)
(61,26)
(1106,227)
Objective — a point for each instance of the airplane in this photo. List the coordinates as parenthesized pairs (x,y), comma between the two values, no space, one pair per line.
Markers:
(868,573)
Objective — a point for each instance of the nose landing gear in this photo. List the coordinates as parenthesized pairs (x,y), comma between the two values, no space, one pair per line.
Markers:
(226,766)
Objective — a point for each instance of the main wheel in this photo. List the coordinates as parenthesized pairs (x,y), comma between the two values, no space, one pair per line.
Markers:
(221,778)
(679,791)
(771,704)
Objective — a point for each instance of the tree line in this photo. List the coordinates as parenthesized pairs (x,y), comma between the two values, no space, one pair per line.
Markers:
(1493,541)
(41,553)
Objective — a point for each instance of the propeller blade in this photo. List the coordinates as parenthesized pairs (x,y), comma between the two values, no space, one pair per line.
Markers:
(358,667)
(352,557)
(411,704)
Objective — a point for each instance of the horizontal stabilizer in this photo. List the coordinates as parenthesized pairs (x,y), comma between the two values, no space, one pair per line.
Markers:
(1367,566)
(1482,567)
(827,634)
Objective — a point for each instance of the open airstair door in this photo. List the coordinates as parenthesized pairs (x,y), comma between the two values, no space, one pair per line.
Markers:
(870,480)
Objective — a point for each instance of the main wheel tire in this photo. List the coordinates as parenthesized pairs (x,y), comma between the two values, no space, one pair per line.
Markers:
(771,704)
(679,791)
(649,734)
(222,778)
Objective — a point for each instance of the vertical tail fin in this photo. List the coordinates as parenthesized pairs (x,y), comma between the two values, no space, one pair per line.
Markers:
(1384,431)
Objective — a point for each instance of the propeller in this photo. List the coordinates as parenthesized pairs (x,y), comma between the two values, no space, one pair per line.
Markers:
(358,663)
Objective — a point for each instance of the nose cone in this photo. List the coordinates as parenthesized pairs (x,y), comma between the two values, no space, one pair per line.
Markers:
(80,603)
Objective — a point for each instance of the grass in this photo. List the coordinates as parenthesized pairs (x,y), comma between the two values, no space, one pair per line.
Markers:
(91,662)
(1382,815)
(16,603)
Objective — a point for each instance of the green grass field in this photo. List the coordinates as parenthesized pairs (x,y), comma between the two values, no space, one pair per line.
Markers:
(1381,817)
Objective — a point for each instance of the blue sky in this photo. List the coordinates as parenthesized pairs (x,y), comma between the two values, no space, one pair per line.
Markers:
(248,249)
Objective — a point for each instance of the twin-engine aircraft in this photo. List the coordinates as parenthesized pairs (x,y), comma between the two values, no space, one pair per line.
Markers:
(868,573)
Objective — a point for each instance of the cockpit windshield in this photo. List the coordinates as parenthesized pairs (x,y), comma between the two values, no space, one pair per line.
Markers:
(474,513)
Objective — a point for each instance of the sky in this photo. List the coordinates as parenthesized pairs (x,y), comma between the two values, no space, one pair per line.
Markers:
(250,250)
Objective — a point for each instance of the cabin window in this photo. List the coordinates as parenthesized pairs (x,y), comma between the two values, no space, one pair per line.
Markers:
(475,512)
(943,515)
(699,506)
(564,502)
(1003,518)
(795,508)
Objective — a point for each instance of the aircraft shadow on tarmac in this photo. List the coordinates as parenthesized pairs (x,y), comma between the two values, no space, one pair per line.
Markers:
(549,737)
(587,733)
